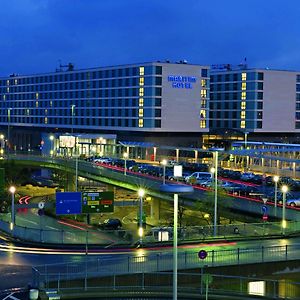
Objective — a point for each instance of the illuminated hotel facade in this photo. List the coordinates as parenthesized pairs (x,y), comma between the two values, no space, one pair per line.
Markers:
(262,103)
(161,102)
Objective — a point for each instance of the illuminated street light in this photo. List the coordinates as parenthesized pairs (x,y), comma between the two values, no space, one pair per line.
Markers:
(125,156)
(284,190)
(72,115)
(164,163)
(52,145)
(141,194)
(215,156)
(12,190)
(275,179)
(175,189)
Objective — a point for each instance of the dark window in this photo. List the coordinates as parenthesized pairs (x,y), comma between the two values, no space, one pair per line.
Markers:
(157,124)
(260,85)
(204,73)
(259,124)
(260,105)
(260,76)
(158,81)
(157,91)
(158,70)
(297,125)
(260,95)
(259,115)
(297,106)
(157,113)
(297,115)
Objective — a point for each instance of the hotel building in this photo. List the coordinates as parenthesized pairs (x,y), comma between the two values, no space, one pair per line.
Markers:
(161,102)
(262,103)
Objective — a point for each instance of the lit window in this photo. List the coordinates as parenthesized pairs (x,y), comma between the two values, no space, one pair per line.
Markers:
(36,104)
(51,104)
(244,86)
(141,112)
(16,81)
(7,90)
(203,93)
(243,105)
(7,82)
(46,120)
(141,92)
(142,71)
(4,97)
(244,76)
(243,114)
(243,124)
(203,124)
(36,96)
(142,81)
(203,113)
(46,111)
(203,82)
(243,95)
(27,112)
(203,103)
(141,123)
(141,102)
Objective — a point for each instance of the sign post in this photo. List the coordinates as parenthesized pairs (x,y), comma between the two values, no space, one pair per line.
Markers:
(97,202)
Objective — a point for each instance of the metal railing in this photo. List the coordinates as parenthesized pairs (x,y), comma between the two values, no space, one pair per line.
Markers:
(55,275)
(127,237)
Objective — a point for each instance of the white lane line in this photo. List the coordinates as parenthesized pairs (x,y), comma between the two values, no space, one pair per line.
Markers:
(10,297)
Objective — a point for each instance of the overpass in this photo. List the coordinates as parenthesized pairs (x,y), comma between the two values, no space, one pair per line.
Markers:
(134,181)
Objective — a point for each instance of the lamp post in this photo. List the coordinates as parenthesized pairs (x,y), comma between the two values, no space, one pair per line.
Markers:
(284,190)
(275,179)
(141,194)
(245,140)
(125,156)
(175,189)
(12,190)
(2,144)
(72,115)
(215,156)
(8,129)
(164,163)
(52,145)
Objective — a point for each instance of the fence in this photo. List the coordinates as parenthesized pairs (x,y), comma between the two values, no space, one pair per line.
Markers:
(127,237)
(86,269)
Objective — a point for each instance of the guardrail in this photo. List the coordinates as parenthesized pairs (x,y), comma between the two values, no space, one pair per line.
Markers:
(153,235)
(101,272)
(190,285)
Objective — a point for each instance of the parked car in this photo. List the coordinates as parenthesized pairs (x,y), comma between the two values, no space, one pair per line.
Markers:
(197,177)
(247,176)
(111,224)
(293,202)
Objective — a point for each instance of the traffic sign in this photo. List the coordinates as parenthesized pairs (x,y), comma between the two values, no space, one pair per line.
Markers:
(202,254)
(264,209)
(41,205)
(68,203)
(97,202)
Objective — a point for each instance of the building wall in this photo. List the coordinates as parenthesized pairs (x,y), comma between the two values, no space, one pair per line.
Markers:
(279,101)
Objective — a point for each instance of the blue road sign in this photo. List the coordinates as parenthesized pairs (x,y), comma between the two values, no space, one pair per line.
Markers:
(68,203)
(264,209)
(202,254)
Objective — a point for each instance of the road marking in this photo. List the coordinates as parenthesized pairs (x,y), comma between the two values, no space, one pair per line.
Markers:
(10,297)
(52,227)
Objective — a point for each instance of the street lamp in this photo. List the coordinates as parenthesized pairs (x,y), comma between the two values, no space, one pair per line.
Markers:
(164,163)
(141,194)
(8,129)
(246,135)
(125,156)
(284,190)
(72,115)
(215,156)
(275,179)
(175,189)
(12,190)
(52,145)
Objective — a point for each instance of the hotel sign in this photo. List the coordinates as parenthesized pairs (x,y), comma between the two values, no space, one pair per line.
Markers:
(182,82)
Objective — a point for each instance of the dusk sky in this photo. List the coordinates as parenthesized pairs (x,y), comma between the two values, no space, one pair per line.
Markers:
(36,35)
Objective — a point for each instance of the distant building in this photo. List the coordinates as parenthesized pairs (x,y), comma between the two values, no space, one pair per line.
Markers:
(162,102)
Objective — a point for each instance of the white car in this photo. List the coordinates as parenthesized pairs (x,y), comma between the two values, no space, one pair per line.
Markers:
(198,177)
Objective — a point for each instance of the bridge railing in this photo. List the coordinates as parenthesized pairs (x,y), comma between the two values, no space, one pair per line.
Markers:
(160,284)
(61,276)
